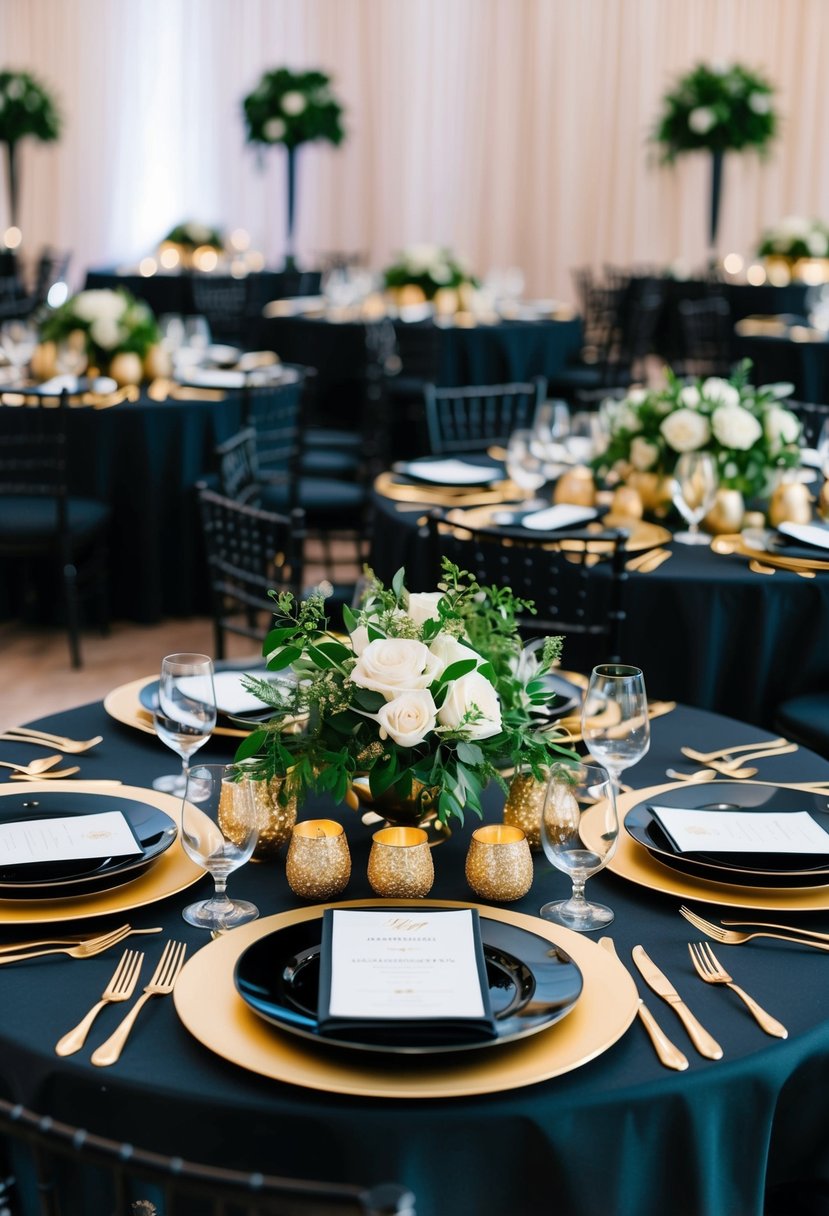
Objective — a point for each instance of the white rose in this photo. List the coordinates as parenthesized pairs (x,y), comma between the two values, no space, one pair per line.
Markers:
(794,226)
(105,332)
(198,233)
(472,691)
(423,605)
(408,719)
(781,426)
(760,103)
(90,305)
(690,396)
(818,244)
(359,639)
(420,258)
(293,103)
(702,119)
(274,130)
(15,88)
(685,430)
(643,455)
(636,396)
(449,650)
(735,427)
(395,665)
(626,419)
(720,391)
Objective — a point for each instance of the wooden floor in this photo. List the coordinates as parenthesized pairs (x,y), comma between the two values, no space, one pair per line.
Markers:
(36,677)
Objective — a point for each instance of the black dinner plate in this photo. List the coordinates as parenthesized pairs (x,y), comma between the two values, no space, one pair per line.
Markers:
(417,470)
(153,830)
(532,984)
(742,869)
(148,696)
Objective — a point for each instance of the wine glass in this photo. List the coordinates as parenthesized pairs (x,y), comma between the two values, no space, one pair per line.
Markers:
(18,340)
(614,718)
(579,833)
(219,829)
(526,465)
(185,713)
(693,489)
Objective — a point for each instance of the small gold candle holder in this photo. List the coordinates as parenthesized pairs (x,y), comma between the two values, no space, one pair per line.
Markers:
(400,863)
(276,819)
(499,865)
(524,805)
(318,865)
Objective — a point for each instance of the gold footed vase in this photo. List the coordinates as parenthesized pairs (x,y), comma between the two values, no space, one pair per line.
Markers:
(275,820)
(418,810)
(524,806)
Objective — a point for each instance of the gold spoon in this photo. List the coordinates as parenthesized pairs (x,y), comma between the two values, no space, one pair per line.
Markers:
(38,767)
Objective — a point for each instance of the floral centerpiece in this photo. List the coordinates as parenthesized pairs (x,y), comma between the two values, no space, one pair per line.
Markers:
(115,332)
(795,238)
(430,695)
(26,108)
(747,429)
(428,269)
(192,234)
(717,110)
(292,108)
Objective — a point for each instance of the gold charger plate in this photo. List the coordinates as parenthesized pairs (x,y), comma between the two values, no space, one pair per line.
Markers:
(172,872)
(213,1012)
(643,534)
(124,705)
(633,862)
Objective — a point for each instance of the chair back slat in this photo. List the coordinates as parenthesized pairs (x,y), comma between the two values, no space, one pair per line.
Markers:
(472,418)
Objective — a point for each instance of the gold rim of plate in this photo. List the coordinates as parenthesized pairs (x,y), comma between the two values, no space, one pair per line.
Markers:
(212,1011)
(124,705)
(171,873)
(643,533)
(633,862)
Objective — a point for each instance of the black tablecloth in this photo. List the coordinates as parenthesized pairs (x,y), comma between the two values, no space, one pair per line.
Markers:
(173,292)
(703,627)
(803,364)
(620,1135)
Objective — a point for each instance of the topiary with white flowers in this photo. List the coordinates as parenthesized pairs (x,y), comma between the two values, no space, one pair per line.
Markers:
(293,108)
(717,109)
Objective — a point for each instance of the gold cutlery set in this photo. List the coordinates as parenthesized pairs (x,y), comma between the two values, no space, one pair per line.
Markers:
(719,763)
(43,769)
(647,562)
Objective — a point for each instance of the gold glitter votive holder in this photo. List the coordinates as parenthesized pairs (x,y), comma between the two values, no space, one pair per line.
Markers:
(400,863)
(499,865)
(524,806)
(276,819)
(318,865)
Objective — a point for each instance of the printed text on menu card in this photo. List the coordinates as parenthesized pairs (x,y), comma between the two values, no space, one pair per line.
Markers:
(742,831)
(68,838)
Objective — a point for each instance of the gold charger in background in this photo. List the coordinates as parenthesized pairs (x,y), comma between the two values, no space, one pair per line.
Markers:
(172,872)
(214,1013)
(642,533)
(633,862)
(124,705)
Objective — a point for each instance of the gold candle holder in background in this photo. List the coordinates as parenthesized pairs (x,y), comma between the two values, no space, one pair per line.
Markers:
(523,807)
(400,863)
(499,865)
(318,865)
(275,819)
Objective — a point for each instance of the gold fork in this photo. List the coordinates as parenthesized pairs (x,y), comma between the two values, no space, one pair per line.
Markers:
(28,734)
(709,969)
(730,937)
(120,988)
(95,945)
(162,983)
(722,752)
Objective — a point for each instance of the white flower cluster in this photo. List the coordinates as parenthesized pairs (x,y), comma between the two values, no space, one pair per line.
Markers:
(435,261)
(292,104)
(103,311)
(796,235)
(198,233)
(402,670)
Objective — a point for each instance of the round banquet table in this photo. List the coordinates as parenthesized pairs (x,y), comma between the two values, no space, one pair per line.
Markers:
(703,627)
(619,1134)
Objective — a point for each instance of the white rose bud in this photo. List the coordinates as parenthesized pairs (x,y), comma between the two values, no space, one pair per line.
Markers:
(359,639)
(734,427)
(685,430)
(702,119)
(781,426)
(423,605)
(449,650)
(274,130)
(394,665)
(105,332)
(472,691)
(720,391)
(408,719)
(689,395)
(293,103)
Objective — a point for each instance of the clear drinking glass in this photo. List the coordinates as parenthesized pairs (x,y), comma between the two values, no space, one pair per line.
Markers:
(526,465)
(693,489)
(18,340)
(186,711)
(579,833)
(219,828)
(614,718)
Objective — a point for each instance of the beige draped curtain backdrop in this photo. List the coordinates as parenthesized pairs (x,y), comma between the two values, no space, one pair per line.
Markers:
(515,131)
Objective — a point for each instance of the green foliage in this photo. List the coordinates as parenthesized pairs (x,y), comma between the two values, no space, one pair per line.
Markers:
(26,108)
(326,726)
(191,235)
(718,110)
(292,108)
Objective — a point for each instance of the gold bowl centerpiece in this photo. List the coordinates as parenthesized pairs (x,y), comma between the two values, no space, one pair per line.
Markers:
(107,330)
(747,429)
(424,702)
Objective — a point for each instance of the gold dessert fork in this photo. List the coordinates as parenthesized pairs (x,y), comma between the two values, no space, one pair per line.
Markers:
(162,983)
(95,945)
(120,988)
(709,969)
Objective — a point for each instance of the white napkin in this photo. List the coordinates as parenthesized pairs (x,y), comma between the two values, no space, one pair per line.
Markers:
(231,696)
(563,515)
(213,377)
(452,472)
(103,384)
(807,534)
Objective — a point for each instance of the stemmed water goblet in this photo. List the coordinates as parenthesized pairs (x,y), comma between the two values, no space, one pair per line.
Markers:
(579,834)
(185,713)
(526,466)
(18,340)
(693,489)
(219,830)
(614,719)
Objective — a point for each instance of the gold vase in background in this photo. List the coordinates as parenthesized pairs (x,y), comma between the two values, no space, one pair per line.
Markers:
(791,502)
(499,866)
(523,807)
(653,489)
(318,865)
(576,486)
(726,515)
(400,863)
(823,502)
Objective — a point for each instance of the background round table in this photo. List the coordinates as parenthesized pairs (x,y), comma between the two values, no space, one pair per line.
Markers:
(620,1134)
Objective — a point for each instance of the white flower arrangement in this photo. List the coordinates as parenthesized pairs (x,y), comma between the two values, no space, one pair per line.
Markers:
(429,267)
(795,237)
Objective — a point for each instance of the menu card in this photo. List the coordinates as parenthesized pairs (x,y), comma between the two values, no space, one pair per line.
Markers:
(403,976)
(701,831)
(66,838)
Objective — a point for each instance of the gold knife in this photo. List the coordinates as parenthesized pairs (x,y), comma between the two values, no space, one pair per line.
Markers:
(662,986)
(668,1054)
